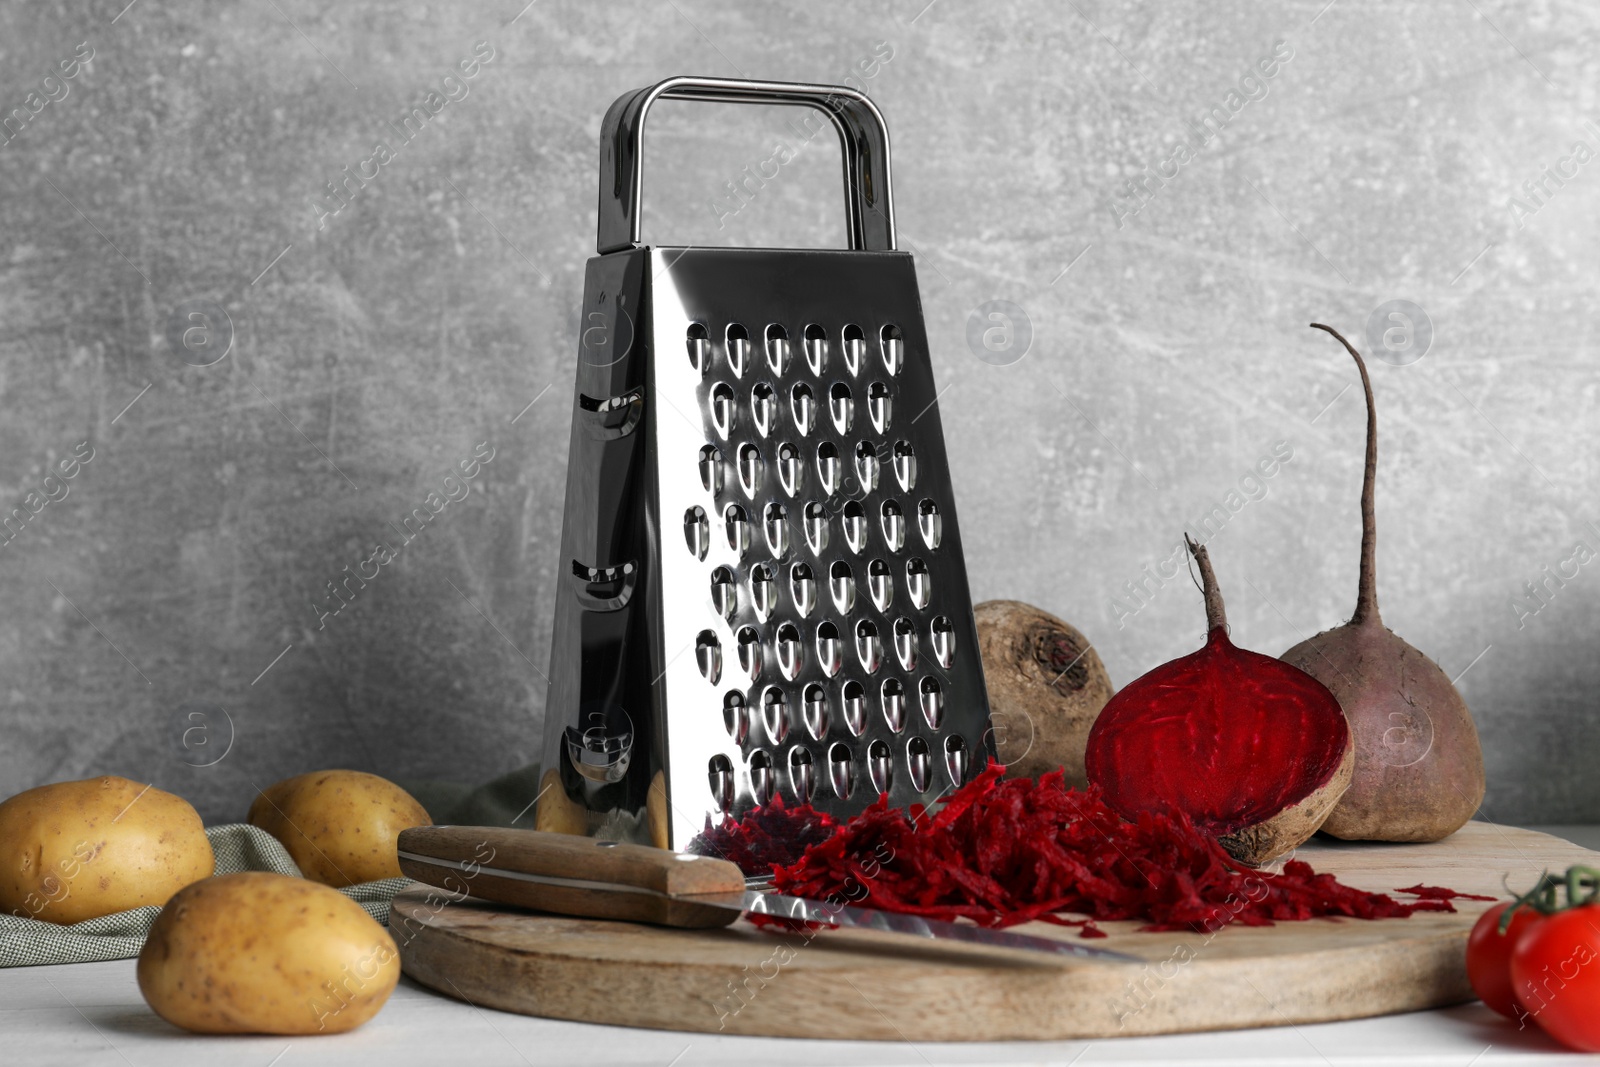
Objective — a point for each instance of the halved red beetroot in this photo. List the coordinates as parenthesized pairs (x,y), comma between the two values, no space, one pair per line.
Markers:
(1255,751)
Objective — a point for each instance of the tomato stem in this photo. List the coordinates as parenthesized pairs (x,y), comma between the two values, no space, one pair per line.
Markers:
(1581,885)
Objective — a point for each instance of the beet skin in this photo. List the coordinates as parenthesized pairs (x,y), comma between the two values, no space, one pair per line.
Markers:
(1419,767)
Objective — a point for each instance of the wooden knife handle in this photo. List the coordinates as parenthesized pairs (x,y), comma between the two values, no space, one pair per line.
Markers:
(635,883)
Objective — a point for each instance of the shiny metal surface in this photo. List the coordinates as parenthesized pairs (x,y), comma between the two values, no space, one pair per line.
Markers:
(813,619)
(756,900)
(851,916)
(863,146)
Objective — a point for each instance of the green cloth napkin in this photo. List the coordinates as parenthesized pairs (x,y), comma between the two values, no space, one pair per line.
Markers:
(120,936)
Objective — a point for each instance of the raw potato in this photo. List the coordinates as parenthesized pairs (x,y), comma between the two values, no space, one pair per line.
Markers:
(1046,688)
(558,813)
(259,953)
(78,850)
(340,827)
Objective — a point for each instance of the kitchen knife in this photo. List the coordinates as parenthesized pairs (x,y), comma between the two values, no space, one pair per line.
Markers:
(579,876)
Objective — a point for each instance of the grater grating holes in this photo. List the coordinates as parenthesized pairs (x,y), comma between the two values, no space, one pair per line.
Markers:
(816,527)
(815,711)
(869,459)
(905,643)
(830,468)
(803,588)
(803,406)
(919,763)
(943,632)
(841,407)
(841,770)
(932,699)
(737,522)
(752,469)
(867,466)
(880,585)
(854,695)
(905,465)
(919,583)
(720,773)
(854,521)
(930,523)
(893,703)
(778,350)
(854,345)
(775,522)
(879,406)
(697,531)
(791,472)
(736,716)
(802,774)
(791,656)
(763,408)
(956,759)
(894,525)
(738,347)
(711,469)
(775,714)
(869,649)
(893,345)
(749,642)
(708,656)
(816,345)
(699,344)
(762,595)
(724,595)
(830,649)
(762,780)
(724,413)
(880,766)
(842,586)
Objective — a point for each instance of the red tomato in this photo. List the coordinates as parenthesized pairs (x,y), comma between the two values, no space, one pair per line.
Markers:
(1489,957)
(1555,972)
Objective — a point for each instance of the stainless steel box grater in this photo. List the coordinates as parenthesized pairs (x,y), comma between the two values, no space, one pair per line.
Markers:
(761,585)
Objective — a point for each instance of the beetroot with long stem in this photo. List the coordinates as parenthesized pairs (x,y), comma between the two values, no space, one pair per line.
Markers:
(1254,751)
(1419,767)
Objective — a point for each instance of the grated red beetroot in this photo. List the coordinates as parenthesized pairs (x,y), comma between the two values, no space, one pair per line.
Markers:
(1437,892)
(767,837)
(1007,852)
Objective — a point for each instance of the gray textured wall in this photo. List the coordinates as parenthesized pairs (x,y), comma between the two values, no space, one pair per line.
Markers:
(370,357)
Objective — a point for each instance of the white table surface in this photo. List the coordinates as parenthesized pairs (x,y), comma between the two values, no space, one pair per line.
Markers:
(91,1014)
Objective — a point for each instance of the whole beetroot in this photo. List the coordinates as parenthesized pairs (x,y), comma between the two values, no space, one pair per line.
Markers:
(1419,768)
(1046,687)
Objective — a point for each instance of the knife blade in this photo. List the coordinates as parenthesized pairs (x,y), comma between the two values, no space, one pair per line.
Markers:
(579,876)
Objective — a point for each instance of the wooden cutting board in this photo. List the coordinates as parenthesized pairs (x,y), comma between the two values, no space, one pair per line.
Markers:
(845,984)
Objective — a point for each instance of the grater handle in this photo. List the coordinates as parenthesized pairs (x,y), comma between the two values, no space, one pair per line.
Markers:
(863,142)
